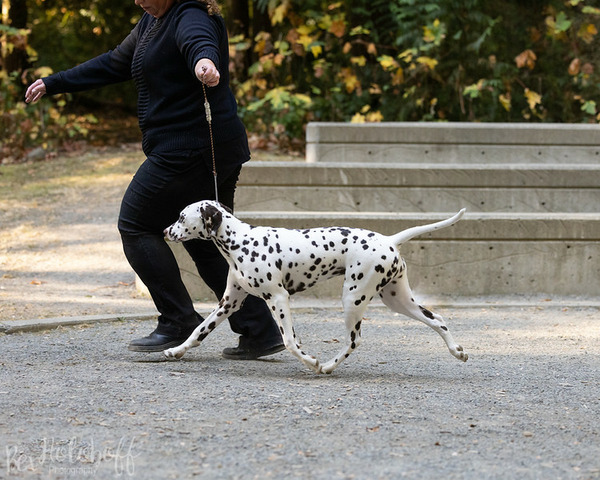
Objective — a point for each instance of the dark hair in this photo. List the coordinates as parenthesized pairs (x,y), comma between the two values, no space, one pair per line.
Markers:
(212,5)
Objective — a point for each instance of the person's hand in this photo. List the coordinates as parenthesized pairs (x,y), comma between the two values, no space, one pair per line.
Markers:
(35,91)
(207,73)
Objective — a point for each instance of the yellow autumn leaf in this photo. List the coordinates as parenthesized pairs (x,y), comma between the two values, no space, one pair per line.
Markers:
(587,32)
(398,77)
(360,61)
(505,101)
(533,98)
(325,22)
(358,118)
(316,50)
(407,55)
(429,31)
(429,62)
(304,39)
(365,109)
(302,98)
(279,12)
(351,82)
(374,116)
(387,62)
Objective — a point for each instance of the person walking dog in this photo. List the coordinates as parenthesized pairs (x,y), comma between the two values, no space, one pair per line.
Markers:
(176,45)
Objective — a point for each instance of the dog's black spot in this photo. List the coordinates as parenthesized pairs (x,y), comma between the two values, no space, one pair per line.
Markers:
(278,264)
(379,269)
(426,312)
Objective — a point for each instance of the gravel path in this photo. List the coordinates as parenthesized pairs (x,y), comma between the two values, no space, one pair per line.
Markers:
(76,404)
(526,405)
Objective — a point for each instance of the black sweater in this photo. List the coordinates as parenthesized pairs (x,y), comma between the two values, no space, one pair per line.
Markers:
(160,56)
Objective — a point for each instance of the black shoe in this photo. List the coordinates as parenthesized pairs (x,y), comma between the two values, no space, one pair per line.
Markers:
(247,351)
(156,342)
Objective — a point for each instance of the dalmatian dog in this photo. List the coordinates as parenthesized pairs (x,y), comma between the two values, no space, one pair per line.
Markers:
(274,263)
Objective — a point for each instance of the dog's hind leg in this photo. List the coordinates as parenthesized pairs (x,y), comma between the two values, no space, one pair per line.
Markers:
(355,303)
(280,307)
(232,301)
(397,296)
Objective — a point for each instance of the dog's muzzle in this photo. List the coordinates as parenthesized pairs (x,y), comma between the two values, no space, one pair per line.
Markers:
(167,232)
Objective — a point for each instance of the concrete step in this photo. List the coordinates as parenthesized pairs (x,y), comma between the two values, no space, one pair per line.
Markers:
(294,186)
(453,142)
(484,254)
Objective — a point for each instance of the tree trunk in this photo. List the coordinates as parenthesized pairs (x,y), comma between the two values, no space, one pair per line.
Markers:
(16,61)
(238,17)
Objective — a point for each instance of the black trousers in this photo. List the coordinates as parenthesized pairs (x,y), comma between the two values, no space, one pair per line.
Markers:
(163,185)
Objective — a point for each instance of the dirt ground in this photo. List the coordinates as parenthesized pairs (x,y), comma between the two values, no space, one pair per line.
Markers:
(77,404)
(60,252)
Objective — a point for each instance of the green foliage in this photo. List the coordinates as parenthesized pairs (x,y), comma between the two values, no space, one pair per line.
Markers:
(68,32)
(409,60)
(340,60)
(23,126)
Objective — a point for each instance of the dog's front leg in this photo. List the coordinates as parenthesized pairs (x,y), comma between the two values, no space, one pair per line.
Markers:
(232,301)
(280,307)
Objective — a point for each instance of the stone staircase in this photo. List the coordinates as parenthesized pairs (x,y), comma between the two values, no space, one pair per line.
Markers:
(532,194)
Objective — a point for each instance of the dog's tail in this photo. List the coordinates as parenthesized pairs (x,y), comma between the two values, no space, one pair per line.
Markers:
(406,235)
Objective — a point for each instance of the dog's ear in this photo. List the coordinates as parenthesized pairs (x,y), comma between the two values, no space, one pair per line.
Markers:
(212,219)
(226,208)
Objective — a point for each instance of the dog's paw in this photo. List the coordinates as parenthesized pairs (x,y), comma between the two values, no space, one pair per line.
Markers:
(174,353)
(459,353)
